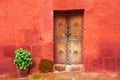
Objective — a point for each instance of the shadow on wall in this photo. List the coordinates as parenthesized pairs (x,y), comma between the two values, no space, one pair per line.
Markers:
(108,59)
(110,55)
(7,56)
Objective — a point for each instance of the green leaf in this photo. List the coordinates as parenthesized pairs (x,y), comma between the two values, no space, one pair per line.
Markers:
(22,58)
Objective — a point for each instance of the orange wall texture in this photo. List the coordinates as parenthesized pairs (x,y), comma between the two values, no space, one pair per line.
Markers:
(29,24)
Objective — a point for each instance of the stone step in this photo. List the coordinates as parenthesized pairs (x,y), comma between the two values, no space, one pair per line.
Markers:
(68,68)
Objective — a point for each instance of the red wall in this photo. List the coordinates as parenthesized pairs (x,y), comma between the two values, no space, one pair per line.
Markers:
(29,24)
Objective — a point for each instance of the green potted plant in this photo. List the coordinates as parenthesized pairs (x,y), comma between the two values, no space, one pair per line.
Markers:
(22,61)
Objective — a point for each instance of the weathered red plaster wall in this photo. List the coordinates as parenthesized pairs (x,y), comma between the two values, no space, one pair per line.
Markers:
(29,24)
(101,41)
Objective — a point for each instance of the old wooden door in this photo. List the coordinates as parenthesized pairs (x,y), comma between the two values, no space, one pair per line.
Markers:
(68,38)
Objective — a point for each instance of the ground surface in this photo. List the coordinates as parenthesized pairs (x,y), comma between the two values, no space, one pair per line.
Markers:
(68,76)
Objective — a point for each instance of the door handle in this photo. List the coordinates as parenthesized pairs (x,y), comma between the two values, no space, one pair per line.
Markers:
(68,33)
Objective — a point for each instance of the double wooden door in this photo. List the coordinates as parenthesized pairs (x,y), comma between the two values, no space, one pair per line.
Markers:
(68,38)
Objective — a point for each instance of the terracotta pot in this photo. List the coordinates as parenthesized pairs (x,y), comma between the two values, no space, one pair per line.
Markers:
(22,73)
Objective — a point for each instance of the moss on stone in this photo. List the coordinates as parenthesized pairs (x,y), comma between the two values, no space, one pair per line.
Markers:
(45,66)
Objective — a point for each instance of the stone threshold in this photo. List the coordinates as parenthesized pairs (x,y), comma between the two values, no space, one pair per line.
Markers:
(68,68)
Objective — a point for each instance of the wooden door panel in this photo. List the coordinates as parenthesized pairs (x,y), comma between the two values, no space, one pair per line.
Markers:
(60,51)
(60,25)
(75,51)
(60,39)
(76,25)
(75,38)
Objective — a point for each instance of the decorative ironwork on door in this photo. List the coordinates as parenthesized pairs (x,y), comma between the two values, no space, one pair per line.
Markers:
(68,38)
